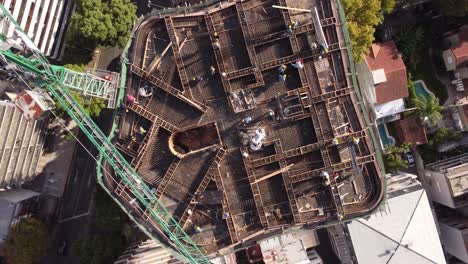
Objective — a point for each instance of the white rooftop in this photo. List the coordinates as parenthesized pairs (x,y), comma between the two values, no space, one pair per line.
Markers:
(379,76)
(404,233)
(285,249)
(390,108)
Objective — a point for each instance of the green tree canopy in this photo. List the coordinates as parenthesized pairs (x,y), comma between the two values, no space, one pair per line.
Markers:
(103,22)
(362,17)
(98,249)
(92,106)
(387,6)
(75,67)
(409,40)
(428,109)
(442,135)
(26,242)
(456,8)
(393,160)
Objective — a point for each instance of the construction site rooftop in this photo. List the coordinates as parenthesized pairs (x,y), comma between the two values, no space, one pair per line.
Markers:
(243,119)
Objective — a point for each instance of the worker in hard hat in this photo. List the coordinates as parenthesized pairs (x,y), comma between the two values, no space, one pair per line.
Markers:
(141,130)
(294,24)
(355,140)
(212,70)
(282,77)
(299,64)
(216,44)
(340,217)
(282,68)
(246,120)
(215,35)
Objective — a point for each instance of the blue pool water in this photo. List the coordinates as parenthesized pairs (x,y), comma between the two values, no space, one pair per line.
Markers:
(385,138)
(420,89)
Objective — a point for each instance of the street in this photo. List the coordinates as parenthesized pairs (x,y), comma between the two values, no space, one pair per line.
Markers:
(75,213)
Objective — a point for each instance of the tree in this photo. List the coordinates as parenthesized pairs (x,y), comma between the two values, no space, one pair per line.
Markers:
(91,105)
(26,242)
(456,8)
(103,23)
(387,6)
(428,109)
(393,160)
(76,67)
(442,135)
(362,17)
(98,249)
(409,40)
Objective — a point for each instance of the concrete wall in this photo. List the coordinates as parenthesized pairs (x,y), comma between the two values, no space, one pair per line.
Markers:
(453,242)
(366,83)
(439,189)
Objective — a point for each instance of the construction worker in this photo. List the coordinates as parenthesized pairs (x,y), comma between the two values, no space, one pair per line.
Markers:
(131,99)
(299,64)
(223,74)
(246,120)
(294,24)
(282,68)
(198,229)
(195,81)
(282,77)
(212,70)
(141,130)
(323,48)
(215,35)
(216,44)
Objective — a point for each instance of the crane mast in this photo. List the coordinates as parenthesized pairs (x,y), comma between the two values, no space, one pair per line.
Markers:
(52,78)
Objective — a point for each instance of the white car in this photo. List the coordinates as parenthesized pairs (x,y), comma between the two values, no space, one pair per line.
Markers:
(410,158)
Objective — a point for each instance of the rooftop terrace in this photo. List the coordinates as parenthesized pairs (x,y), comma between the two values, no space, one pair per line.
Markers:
(188,139)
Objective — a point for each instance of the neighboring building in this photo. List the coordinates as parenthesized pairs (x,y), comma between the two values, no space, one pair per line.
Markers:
(15,205)
(447,181)
(149,252)
(404,231)
(460,114)
(290,248)
(456,58)
(21,143)
(454,235)
(382,79)
(411,130)
(45,22)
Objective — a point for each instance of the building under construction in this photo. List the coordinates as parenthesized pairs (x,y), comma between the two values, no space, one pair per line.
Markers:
(243,119)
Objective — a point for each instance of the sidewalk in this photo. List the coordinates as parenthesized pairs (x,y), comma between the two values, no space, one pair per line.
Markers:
(56,164)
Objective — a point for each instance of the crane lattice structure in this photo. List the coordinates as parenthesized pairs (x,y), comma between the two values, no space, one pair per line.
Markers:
(57,81)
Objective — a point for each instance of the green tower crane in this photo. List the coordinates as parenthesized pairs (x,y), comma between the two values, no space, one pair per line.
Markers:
(58,81)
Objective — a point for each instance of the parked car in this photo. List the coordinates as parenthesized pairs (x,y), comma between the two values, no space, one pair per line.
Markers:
(410,158)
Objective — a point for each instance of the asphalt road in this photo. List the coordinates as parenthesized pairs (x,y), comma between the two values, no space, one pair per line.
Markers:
(76,209)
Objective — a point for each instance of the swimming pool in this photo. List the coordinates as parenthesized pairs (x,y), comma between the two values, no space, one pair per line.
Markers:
(385,137)
(421,89)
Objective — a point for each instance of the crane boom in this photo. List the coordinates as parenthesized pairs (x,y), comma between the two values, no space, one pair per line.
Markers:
(50,78)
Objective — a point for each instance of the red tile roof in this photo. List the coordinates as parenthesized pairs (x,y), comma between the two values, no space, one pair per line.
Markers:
(411,130)
(386,56)
(461,50)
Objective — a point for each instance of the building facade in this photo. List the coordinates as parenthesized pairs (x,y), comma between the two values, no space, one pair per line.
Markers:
(404,230)
(45,22)
(447,181)
(15,205)
(454,235)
